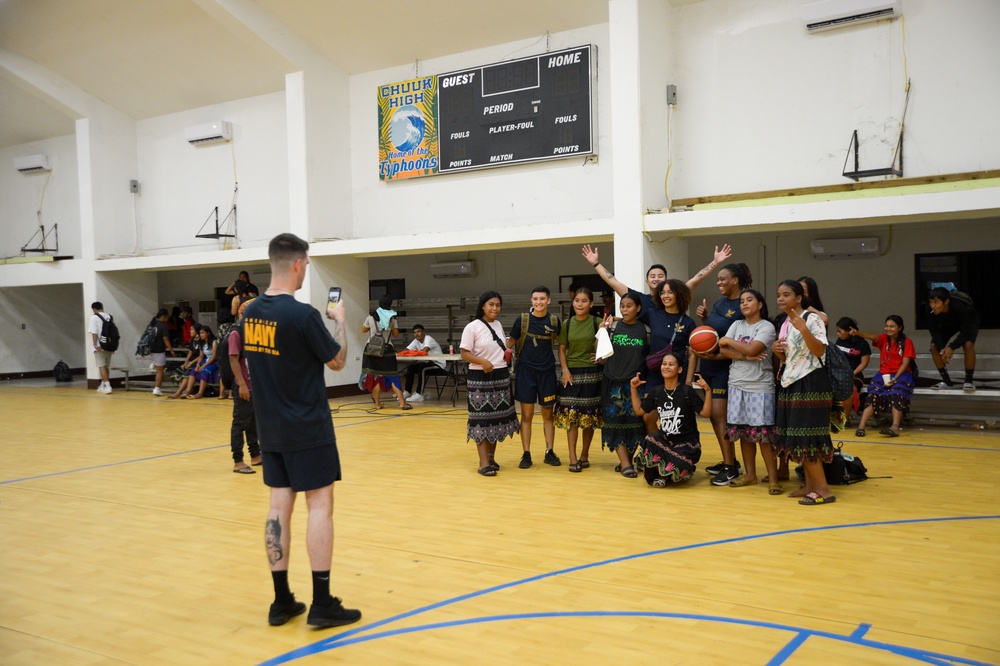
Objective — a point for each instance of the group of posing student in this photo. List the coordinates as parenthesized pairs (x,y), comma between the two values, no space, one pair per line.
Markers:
(764,385)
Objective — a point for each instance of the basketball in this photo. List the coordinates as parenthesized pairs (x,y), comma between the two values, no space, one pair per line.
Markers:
(704,339)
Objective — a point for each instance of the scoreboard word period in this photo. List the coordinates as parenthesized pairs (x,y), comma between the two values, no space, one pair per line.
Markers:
(526,110)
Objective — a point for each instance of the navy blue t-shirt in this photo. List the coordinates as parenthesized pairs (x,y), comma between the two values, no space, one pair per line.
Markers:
(537,353)
(287,346)
(721,317)
(662,325)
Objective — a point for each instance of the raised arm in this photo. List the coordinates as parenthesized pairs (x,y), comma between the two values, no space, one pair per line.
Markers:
(339,334)
(717,258)
(591,256)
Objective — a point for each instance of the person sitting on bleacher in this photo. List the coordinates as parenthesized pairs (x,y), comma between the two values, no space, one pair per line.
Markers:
(421,342)
(952,317)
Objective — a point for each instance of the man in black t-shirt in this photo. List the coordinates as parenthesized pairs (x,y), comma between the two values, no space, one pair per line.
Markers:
(287,346)
(535,379)
(952,318)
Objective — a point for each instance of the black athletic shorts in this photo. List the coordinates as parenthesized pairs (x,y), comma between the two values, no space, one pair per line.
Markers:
(307,469)
(531,386)
(717,376)
(942,342)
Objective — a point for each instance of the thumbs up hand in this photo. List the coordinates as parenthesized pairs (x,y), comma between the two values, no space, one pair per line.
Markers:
(702,310)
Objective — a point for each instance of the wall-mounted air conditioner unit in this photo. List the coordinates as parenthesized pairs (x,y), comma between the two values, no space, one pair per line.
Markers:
(32,163)
(454,269)
(830,14)
(209,133)
(844,248)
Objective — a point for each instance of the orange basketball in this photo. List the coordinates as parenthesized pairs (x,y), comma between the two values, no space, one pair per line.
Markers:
(704,339)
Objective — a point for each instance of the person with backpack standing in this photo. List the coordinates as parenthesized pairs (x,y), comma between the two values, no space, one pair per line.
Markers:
(159,347)
(104,338)
(535,376)
(244,420)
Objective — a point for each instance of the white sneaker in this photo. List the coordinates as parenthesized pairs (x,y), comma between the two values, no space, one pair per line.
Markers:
(969,387)
(104,388)
(406,395)
(157,391)
(416,397)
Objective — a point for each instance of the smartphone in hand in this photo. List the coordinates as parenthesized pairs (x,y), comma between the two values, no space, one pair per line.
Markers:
(332,299)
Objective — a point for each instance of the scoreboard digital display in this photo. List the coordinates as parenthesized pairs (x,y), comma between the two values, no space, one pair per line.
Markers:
(526,110)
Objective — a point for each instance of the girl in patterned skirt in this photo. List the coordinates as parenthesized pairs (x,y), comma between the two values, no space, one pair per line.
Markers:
(671,453)
(491,407)
(805,400)
(890,390)
(578,405)
(622,430)
(750,409)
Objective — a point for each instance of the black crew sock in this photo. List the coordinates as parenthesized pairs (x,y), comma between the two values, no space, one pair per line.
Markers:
(321,587)
(945,376)
(282,593)
(968,375)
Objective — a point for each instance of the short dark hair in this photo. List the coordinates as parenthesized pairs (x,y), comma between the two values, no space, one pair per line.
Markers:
(385,302)
(242,273)
(418,327)
(939,294)
(162,312)
(541,289)
(660,266)
(97,305)
(187,309)
(286,248)
(846,323)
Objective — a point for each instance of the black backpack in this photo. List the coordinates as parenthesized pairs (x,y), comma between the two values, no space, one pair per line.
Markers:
(62,372)
(222,356)
(146,340)
(842,470)
(109,338)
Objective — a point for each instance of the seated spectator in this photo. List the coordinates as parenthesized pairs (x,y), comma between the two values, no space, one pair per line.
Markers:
(205,369)
(187,325)
(952,318)
(858,354)
(414,371)
(890,390)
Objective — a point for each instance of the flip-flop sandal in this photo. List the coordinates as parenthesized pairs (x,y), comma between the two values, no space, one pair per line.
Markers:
(575,467)
(246,469)
(767,479)
(860,432)
(775,489)
(812,499)
(406,406)
(618,468)
(488,471)
(584,464)
(629,472)
(741,482)
(495,465)
(889,432)
(258,463)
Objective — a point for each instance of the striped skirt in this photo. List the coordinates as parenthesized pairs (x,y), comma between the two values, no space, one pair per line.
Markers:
(491,407)
(579,403)
(802,419)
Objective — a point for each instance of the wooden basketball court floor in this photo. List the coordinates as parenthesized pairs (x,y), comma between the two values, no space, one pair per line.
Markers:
(127,540)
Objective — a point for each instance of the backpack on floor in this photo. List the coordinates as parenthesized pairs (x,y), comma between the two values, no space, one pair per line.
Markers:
(109,337)
(843,470)
(62,372)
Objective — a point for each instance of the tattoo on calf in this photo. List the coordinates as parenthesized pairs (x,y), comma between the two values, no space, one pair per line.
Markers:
(272,540)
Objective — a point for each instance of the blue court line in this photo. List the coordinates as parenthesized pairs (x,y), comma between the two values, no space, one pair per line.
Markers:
(801,634)
(114,464)
(341,639)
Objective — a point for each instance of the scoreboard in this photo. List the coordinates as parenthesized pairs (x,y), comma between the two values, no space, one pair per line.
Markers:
(525,110)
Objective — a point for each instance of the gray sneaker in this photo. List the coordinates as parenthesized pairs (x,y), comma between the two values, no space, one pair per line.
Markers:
(968,387)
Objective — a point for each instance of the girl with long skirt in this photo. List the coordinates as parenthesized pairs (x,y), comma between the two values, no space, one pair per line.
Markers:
(491,406)
(578,405)
(623,430)
(805,399)
(890,390)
